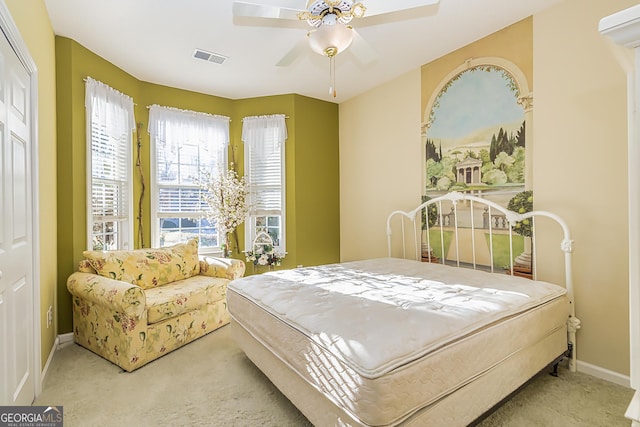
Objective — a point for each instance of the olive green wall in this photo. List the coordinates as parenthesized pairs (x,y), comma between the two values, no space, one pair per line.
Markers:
(311,166)
(312,190)
(317,180)
(73,64)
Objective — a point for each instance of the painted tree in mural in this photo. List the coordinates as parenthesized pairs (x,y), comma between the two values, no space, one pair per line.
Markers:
(520,136)
(432,151)
(501,144)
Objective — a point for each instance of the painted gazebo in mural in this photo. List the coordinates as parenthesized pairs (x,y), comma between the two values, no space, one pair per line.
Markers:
(470,171)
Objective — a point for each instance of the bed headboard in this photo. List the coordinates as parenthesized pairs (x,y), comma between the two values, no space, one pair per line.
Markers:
(470,231)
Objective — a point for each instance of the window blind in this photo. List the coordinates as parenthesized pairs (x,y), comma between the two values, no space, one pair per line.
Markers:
(265,178)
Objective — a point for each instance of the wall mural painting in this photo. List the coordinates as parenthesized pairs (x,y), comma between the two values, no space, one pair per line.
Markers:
(474,139)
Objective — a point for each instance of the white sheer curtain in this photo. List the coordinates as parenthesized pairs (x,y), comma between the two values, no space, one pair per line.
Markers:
(110,125)
(172,125)
(113,107)
(264,134)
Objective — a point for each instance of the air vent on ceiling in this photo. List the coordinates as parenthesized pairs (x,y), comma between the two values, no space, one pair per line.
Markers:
(208,56)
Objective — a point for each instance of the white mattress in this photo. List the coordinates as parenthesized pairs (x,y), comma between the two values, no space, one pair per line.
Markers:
(384,338)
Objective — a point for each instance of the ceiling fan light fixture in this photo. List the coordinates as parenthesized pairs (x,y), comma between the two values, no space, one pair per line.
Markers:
(329,40)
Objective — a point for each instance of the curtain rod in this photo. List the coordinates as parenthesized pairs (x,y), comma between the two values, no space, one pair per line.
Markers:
(286,117)
(84,79)
(174,108)
(181,110)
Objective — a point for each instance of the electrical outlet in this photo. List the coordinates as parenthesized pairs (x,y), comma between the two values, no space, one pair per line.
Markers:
(49,316)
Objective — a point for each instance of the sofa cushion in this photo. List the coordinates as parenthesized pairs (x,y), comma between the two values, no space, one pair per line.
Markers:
(148,268)
(164,302)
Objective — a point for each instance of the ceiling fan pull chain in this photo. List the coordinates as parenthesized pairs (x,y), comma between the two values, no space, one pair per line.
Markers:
(332,76)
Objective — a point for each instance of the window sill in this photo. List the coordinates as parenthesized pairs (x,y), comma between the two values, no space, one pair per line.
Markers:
(211,252)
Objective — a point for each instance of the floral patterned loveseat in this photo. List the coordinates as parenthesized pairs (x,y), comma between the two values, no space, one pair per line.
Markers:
(132,307)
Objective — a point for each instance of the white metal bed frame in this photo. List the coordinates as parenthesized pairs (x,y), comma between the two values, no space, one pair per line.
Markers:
(566,245)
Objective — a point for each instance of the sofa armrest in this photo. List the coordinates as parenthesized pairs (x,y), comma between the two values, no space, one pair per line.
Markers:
(227,268)
(120,296)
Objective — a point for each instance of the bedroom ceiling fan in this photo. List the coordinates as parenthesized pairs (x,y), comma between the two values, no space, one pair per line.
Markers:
(330,32)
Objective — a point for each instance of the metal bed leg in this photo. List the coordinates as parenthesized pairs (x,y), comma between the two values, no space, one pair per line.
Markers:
(568,354)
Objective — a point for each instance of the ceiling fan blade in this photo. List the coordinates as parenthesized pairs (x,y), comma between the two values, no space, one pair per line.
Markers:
(294,53)
(254,10)
(362,50)
(378,7)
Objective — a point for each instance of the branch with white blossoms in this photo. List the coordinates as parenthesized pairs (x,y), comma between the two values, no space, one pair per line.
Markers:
(227,197)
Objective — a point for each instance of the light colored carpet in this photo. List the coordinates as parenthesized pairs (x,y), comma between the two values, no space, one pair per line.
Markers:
(210,382)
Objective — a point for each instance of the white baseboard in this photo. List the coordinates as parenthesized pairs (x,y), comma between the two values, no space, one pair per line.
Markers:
(65,338)
(604,374)
(49,359)
(60,341)
(633,411)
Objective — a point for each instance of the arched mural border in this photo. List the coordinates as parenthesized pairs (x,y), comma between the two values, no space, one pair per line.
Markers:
(525,98)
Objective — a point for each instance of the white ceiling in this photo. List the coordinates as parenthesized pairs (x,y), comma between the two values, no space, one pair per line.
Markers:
(154,41)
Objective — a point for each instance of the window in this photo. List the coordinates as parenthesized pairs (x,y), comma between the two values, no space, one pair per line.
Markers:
(110,125)
(184,144)
(264,138)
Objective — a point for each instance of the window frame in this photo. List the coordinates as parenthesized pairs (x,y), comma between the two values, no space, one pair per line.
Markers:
(156,187)
(124,223)
(250,223)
